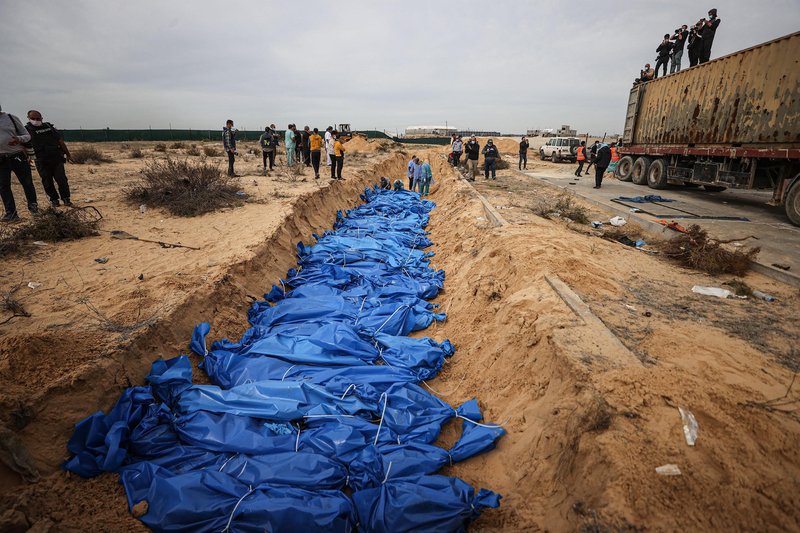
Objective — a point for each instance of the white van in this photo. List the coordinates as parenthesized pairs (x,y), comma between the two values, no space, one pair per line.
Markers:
(560,149)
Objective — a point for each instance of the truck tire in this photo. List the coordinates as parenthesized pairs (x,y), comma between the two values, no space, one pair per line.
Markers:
(657,174)
(792,204)
(625,168)
(639,172)
(714,188)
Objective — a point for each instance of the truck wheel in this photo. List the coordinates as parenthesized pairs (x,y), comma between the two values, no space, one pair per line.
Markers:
(792,204)
(639,172)
(625,168)
(714,188)
(657,174)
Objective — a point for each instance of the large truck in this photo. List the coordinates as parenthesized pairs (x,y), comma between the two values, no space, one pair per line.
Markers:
(733,122)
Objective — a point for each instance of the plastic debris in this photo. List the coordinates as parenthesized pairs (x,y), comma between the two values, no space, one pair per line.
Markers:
(40,243)
(142,208)
(763,296)
(34,284)
(668,470)
(689,426)
(617,221)
(101,260)
(596,223)
(242,194)
(711,291)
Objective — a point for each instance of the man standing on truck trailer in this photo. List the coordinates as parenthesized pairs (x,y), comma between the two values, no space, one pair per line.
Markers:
(695,40)
(709,31)
(664,51)
(677,48)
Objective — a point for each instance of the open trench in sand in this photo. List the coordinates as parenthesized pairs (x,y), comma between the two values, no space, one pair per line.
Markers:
(577,452)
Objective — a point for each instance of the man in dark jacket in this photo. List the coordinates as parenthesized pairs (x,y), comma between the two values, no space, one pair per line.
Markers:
(709,31)
(229,144)
(601,164)
(473,151)
(51,152)
(523,153)
(664,50)
(677,48)
(307,146)
(490,157)
(694,46)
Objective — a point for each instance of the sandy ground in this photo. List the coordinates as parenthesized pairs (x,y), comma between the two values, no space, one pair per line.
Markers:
(588,420)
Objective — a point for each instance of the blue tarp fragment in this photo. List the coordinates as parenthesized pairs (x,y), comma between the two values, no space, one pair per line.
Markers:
(323,392)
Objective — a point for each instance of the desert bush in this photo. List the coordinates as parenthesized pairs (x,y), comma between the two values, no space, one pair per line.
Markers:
(160,147)
(137,153)
(695,249)
(564,207)
(193,150)
(50,225)
(184,187)
(177,146)
(211,151)
(89,154)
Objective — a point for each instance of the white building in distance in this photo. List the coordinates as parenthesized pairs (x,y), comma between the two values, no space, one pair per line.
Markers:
(430,130)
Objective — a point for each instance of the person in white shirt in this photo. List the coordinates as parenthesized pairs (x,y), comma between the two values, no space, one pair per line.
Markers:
(14,158)
(329,143)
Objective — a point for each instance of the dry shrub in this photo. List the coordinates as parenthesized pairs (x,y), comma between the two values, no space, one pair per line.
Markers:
(160,147)
(137,153)
(177,146)
(697,250)
(739,287)
(564,207)
(193,150)
(184,187)
(210,151)
(89,154)
(52,226)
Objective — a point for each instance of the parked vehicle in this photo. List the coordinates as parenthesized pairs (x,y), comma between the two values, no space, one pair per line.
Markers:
(560,149)
(731,122)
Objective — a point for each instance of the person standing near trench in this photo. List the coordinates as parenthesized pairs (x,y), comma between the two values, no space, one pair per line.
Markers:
(337,159)
(268,143)
(329,143)
(315,148)
(288,140)
(13,158)
(51,152)
(425,178)
(580,157)
(306,146)
(473,151)
(490,157)
(410,172)
(523,153)
(601,164)
(229,144)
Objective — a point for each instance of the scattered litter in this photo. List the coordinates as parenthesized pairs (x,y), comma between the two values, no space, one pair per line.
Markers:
(88,200)
(101,260)
(142,208)
(632,308)
(34,285)
(596,223)
(711,291)
(644,199)
(640,243)
(141,277)
(635,210)
(618,221)
(647,314)
(764,296)
(689,426)
(668,470)
(776,265)
(40,243)
(242,194)
(673,226)
(572,183)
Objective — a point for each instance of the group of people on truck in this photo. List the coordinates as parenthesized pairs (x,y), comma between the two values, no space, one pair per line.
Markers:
(697,41)
(20,145)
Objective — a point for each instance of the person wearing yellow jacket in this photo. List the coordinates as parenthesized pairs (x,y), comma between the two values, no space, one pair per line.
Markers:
(337,158)
(315,144)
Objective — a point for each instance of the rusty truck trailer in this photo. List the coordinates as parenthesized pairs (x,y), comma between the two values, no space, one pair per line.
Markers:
(731,122)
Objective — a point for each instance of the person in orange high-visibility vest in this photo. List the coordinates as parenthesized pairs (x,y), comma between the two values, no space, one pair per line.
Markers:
(612,167)
(581,158)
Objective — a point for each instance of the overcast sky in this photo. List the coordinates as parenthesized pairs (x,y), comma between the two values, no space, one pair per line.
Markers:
(505,65)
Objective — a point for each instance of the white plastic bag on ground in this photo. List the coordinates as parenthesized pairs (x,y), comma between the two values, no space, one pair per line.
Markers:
(618,221)
(711,291)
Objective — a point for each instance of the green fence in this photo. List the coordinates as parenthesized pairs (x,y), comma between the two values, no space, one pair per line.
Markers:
(109,135)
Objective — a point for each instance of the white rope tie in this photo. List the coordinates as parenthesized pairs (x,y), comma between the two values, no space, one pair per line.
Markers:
(383,412)
(388,469)
(390,317)
(297,441)
(490,426)
(330,416)
(287,371)
(226,461)
(228,525)
(352,386)
(284,287)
